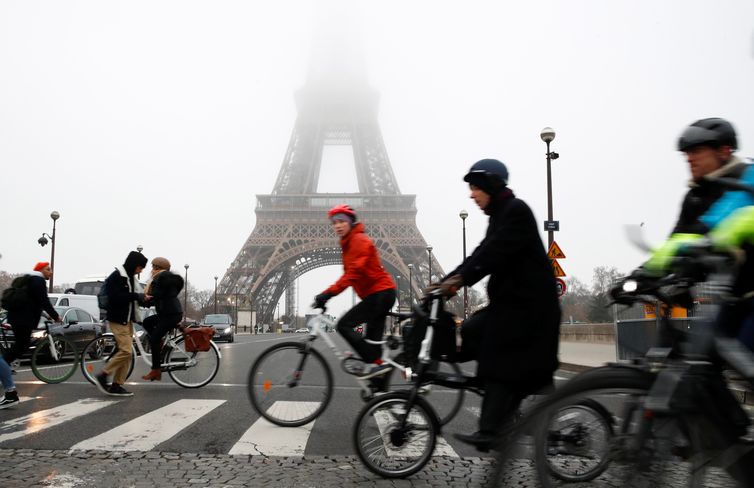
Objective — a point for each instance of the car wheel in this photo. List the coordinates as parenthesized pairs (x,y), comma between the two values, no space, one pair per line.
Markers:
(97,350)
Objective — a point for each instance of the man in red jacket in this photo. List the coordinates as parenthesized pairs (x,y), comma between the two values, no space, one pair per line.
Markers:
(363,271)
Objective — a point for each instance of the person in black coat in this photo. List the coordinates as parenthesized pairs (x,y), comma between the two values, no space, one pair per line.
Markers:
(23,321)
(515,337)
(162,292)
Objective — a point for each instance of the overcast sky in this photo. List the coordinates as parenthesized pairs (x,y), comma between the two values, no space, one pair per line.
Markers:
(156,123)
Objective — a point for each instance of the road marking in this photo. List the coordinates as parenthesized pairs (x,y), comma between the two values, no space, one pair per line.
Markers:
(44,419)
(384,420)
(267,439)
(146,432)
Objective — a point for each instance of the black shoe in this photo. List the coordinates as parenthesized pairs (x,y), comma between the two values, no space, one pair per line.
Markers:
(100,381)
(481,440)
(11,398)
(117,390)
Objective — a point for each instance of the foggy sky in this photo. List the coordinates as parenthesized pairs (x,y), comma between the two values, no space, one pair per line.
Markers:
(155,123)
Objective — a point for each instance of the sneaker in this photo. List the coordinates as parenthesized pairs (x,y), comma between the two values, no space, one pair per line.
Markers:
(372,369)
(117,390)
(11,398)
(100,381)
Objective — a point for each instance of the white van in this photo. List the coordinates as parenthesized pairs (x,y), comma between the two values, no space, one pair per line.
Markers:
(86,302)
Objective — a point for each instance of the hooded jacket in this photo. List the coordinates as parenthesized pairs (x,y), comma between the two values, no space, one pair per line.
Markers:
(37,289)
(165,288)
(362,268)
(124,290)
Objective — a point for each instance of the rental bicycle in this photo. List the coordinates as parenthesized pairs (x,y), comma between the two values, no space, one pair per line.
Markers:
(187,369)
(290,384)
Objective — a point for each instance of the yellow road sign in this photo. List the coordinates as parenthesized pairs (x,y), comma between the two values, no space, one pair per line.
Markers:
(557,270)
(555,252)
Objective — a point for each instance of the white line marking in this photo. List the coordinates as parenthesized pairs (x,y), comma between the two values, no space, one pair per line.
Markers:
(267,439)
(384,419)
(146,432)
(44,419)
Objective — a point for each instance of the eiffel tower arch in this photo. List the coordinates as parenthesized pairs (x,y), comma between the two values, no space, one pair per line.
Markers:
(292,235)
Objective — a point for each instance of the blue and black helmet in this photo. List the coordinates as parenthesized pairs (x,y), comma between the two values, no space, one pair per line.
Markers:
(490,175)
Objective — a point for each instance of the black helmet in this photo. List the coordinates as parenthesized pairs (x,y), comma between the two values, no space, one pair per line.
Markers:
(713,132)
(488,174)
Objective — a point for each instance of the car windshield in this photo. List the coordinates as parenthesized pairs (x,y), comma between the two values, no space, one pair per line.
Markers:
(41,324)
(216,319)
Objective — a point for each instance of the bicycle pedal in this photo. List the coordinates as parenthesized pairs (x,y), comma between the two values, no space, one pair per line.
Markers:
(352,365)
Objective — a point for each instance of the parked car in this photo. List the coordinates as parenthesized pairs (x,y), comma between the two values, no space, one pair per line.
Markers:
(77,325)
(303,330)
(223,325)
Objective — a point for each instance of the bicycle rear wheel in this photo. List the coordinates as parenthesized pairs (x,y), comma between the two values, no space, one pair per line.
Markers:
(290,384)
(54,365)
(192,369)
(445,401)
(384,446)
(97,353)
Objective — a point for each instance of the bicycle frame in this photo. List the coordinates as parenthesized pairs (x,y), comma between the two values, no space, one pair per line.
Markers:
(169,342)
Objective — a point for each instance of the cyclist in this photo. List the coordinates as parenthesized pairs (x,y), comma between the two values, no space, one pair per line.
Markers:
(24,321)
(363,271)
(515,337)
(162,291)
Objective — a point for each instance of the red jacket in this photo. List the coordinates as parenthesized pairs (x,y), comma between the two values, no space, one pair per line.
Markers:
(362,268)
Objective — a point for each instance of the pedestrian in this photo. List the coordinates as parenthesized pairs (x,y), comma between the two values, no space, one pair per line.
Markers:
(123,296)
(362,270)
(23,321)
(162,292)
(515,337)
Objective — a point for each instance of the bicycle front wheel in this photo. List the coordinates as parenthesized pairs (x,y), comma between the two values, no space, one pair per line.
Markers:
(290,384)
(386,444)
(97,353)
(191,369)
(54,359)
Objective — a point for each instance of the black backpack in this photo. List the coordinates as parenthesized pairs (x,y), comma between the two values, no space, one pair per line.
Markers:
(102,299)
(443,340)
(18,296)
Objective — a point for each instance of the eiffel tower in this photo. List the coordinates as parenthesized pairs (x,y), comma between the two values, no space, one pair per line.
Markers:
(292,235)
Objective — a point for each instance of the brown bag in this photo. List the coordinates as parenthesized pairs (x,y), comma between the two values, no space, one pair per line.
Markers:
(198,338)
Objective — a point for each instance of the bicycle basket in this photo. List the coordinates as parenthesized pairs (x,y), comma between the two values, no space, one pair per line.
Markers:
(198,338)
(443,341)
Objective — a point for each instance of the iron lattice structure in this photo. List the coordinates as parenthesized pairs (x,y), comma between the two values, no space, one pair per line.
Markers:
(292,235)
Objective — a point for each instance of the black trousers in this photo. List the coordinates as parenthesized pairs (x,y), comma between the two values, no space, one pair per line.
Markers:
(22,326)
(158,326)
(372,310)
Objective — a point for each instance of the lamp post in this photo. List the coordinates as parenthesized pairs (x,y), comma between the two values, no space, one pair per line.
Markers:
(410,285)
(463,214)
(185,292)
(55,215)
(548,135)
(429,253)
(215,294)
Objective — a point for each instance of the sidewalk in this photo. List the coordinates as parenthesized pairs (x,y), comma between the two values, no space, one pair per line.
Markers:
(579,356)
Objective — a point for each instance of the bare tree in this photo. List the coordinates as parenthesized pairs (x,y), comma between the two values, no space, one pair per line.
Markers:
(575,303)
(602,281)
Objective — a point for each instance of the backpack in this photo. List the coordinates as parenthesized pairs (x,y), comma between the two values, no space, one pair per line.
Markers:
(443,341)
(103,300)
(17,297)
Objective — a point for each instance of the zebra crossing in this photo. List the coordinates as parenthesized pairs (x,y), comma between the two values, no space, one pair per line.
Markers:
(160,425)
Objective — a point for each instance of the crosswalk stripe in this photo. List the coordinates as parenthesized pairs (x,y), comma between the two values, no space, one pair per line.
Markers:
(384,420)
(44,419)
(146,432)
(268,439)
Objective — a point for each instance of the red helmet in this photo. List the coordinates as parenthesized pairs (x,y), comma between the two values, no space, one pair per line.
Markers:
(342,209)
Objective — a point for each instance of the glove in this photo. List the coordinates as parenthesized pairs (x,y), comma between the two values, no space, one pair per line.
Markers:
(321,300)
(451,285)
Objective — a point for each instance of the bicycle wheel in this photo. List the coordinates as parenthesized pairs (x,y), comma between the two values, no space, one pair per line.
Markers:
(290,384)
(54,366)
(385,447)
(445,401)
(191,369)
(97,353)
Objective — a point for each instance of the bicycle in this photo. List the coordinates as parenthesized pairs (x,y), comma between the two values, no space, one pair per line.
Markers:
(187,369)
(290,384)
(679,421)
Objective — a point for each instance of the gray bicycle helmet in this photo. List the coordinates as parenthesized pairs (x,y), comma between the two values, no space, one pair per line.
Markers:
(714,132)
(488,174)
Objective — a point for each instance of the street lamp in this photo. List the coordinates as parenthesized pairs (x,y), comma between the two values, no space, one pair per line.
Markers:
(548,135)
(55,215)
(429,252)
(139,248)
(215,294)
(185,292)
(463,214)
(410,285)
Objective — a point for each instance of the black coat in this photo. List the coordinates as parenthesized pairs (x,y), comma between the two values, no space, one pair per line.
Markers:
(520,340)
(121,308)
(29,318)
(165,289)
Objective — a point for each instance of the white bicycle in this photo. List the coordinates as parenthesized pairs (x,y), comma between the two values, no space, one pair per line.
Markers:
(290,384)
(188,369)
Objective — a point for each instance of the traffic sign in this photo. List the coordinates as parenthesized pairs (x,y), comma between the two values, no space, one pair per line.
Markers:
(555,252)
(557,269)
(552,225)
(560,285)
